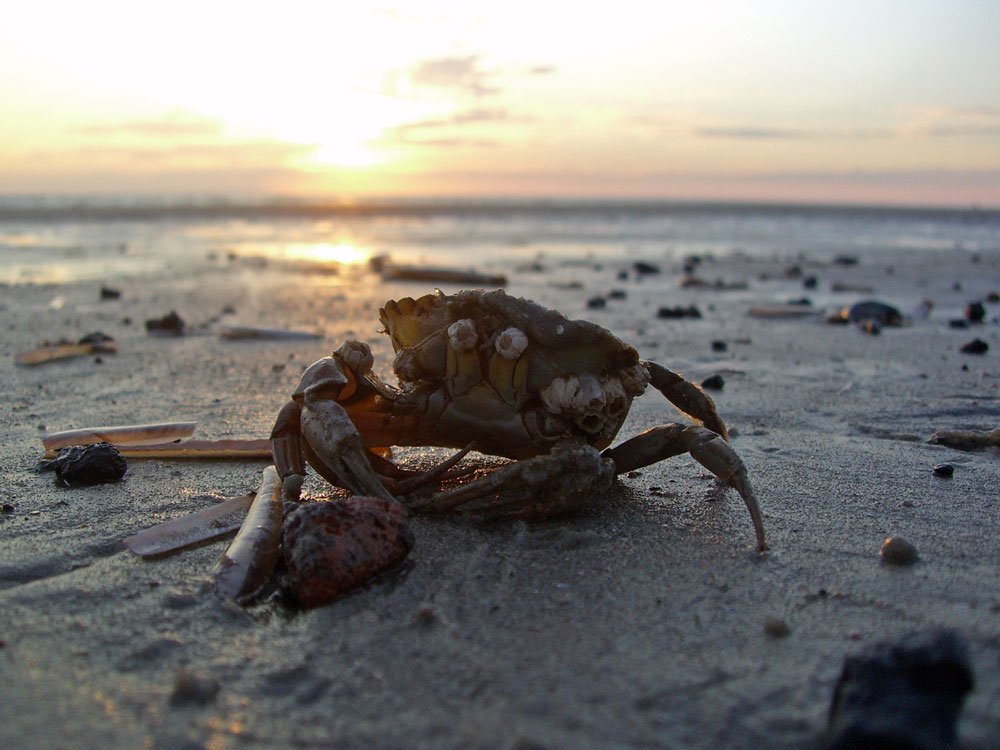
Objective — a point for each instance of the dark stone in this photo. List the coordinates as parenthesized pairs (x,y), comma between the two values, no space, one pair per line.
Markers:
(642,267)
(719,346)
(975,312)
(976,346)
(944,470)
(903,695)
(82,465)
(881,313)
(810,282)
(170,324)
(958,323)
(845,260)
(617,294)
(109,293)
(676,313)
(597,303)
(713,382)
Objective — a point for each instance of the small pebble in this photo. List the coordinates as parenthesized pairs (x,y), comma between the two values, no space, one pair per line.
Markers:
(944,470)
(190,687)
(897,551)
(597,303)
(975,312)
(776,627)
(641,267)
(958,323)
(976,346)
(719,346)
(678,312)
(713,382)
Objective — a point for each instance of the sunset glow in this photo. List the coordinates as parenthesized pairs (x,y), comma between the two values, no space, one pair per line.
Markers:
(885,101)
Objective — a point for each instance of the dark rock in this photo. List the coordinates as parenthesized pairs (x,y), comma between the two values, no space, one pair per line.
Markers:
(719,346)
(975,312)
(904,695)
(109,293)
(810,282)
(597,303)
(897,551)
(676,313)
(976,346)
(170,324)
(642,268)
(944,470)
(713,382)
(958,323)
(845,260)
(82,465)
(193,688)
(617,294)
(881,313)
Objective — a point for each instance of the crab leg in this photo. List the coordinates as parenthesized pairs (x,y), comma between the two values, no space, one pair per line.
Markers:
(538,487)
(333,445)
(705,446)
(687,397)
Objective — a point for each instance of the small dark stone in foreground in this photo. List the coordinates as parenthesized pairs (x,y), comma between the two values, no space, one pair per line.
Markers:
(597,303)
(83,465)
(944,470)
(905,695)
(193,688)
(719,346)
(897,551)
(976,346)
(713,382)
(109,293)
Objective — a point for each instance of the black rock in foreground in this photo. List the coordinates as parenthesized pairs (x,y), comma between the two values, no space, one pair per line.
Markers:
(902,695)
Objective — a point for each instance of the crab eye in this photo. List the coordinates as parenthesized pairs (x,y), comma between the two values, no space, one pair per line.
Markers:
(511,343)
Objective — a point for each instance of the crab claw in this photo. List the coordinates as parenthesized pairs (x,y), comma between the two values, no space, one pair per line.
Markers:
(334,441)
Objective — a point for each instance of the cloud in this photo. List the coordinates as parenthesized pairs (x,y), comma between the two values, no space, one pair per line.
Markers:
(460,75)
(175,124)
(248,153)
(445,131)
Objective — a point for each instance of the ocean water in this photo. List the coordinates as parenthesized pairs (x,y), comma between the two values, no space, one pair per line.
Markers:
(52,239)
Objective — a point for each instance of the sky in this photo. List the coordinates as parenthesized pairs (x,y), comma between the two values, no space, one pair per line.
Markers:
(857,101)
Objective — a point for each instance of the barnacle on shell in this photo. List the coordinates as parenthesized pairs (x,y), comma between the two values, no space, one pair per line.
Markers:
(511,343)
(462,335)
(357,355)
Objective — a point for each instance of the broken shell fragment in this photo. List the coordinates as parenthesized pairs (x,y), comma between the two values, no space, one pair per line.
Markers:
(333,547)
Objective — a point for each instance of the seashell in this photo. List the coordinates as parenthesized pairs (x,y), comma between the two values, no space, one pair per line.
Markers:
(331,548)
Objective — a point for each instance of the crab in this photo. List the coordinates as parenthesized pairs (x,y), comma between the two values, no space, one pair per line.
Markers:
(505,376)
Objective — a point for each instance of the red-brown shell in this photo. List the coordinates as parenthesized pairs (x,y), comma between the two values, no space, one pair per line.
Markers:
(333,547)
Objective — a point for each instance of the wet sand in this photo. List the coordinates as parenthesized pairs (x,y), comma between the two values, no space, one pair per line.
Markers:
(642,621)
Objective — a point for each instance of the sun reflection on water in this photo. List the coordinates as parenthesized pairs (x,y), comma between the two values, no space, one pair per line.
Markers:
(329,252)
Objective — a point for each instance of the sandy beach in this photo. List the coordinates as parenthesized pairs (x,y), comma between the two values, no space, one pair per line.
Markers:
(647,620)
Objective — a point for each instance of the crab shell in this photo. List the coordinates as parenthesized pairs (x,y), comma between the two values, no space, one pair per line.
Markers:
(508,373)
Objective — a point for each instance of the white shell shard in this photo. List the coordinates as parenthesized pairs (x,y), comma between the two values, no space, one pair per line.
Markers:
(357,355)
(462,336)
(511,343)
